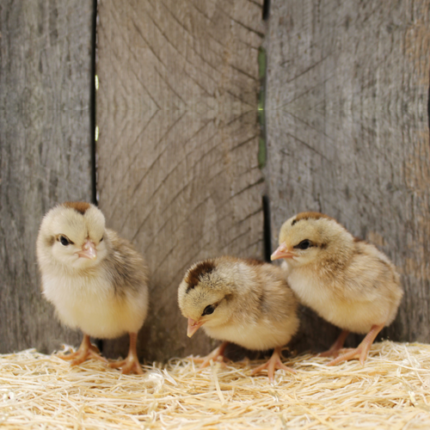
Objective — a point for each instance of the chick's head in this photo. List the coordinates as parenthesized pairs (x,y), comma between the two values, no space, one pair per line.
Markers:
(312,237)
(71,237)
(204,296)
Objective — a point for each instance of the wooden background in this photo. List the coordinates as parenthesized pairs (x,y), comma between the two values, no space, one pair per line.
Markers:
(45,151)
(179,154)
(347,134)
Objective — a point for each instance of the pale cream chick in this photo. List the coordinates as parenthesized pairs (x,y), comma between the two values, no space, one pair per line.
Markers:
(96,280)
(345,280)
(246,302)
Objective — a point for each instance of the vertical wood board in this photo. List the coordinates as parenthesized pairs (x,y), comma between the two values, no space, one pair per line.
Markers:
(177,152)
(347,121)
(45,151)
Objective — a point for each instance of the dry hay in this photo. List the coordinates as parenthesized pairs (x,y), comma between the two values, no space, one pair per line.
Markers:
(392,391)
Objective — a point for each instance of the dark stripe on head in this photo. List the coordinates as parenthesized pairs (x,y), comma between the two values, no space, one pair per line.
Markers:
(196,274)
(310,215)
(80,207)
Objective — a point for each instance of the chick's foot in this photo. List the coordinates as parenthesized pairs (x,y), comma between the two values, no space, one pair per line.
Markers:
(85,352)
(336,347)
(362,350)
(272,364)
(216,355)
(131,363)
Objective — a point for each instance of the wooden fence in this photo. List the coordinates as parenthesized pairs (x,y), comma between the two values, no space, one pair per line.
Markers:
(183,158)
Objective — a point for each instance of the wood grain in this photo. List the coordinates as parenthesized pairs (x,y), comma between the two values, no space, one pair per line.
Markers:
(347,128)
(45,151)
(178,172)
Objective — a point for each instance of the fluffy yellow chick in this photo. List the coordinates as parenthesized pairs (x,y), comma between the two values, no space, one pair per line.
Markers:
(246,302)
(345,280)
(96,280)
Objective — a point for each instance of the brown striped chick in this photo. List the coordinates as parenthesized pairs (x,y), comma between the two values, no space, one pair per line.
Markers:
(246,302)
(345,280)
(96,280)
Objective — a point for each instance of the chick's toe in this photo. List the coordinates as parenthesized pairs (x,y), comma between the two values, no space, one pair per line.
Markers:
(336,347)
(85,352)
(272,364)
(131,363)
(362,350)
(216,355)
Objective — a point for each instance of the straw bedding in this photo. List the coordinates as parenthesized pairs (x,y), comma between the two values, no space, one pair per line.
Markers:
(392,391)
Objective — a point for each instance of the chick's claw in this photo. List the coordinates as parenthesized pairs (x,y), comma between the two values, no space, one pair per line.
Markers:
(272,364)
(336,347)
(362,350)
(329,353)
(85,352)
(87,356)
(129,365)
(216,355)
(351,354)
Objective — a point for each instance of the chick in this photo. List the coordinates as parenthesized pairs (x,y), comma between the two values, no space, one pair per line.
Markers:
(246,302)
(345,280)
(96,280)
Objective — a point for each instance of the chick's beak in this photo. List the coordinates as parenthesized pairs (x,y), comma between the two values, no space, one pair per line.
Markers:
(193,326)
(281,252)
(88,250)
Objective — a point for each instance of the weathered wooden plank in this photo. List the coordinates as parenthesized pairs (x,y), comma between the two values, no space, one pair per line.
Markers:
(177,154)
(347,128)
(45,151)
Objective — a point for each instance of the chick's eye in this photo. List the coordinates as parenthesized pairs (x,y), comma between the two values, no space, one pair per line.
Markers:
(304,244)
(102,239)
(64,241)
(208,310)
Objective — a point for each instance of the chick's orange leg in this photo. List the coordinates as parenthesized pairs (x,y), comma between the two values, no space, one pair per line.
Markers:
(214,355)
(362,350)
(336,347)
(131,363)
(272,364)
(85,352)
